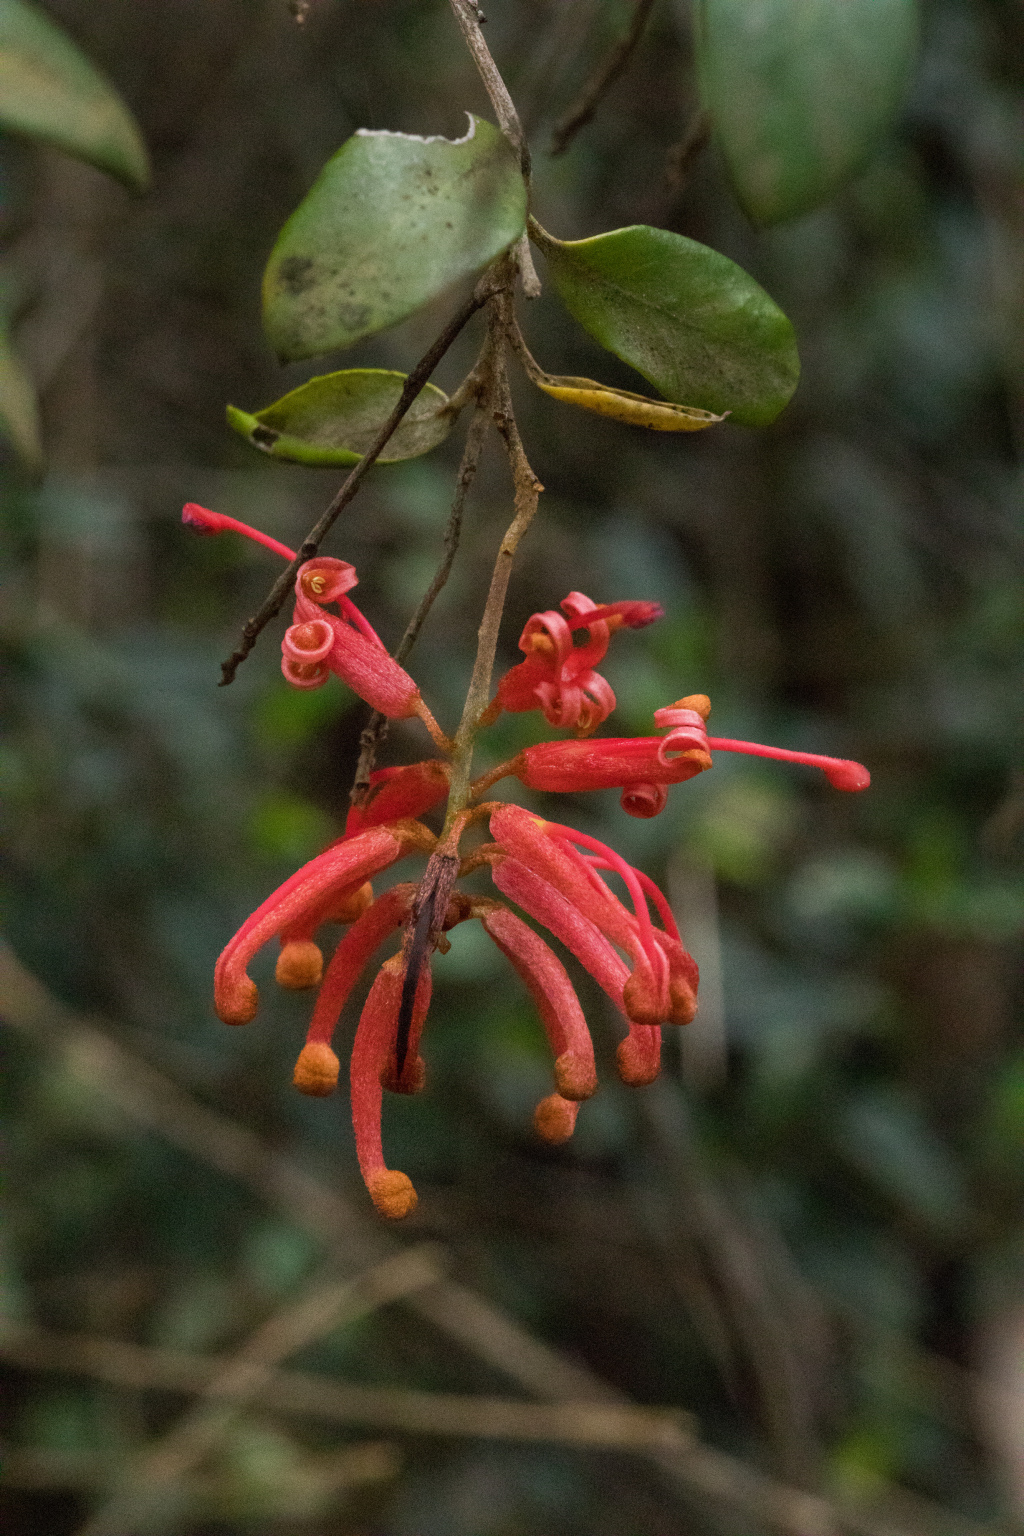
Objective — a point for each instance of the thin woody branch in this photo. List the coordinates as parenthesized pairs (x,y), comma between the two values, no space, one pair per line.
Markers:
(527,489)
(377,726)
(601,81)
(468,17)
(278,595)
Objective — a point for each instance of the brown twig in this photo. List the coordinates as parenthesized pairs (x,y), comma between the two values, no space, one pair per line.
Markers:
(467,15)
(658,1432)
(377,726)
(610,1426)
(154,1101)
(526,493)
(278,594)
(241,1378)
(601,81)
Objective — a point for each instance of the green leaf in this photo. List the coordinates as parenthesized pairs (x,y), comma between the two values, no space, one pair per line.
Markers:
(690,320)
(391,222)
(49,90)
(333,419)
(800,91)
(19,413)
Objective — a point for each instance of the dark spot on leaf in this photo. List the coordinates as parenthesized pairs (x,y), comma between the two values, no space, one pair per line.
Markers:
(264,437)
(353,316)
(296,274)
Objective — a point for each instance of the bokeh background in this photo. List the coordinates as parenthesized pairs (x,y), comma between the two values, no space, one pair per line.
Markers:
(808,1234)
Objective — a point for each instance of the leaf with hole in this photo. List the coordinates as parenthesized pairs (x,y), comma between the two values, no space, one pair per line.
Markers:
(391,222)
(49,90)
(333,419)
(698,327)
(801,91)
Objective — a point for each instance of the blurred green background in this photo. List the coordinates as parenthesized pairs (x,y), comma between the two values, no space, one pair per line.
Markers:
(808,1234)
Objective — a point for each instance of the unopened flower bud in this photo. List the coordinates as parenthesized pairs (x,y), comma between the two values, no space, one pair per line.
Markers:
(316,1071)
(353,904)
(392,1193)
(575,1075)
(638,1058)
(237,1003)
(554,1119)
(299,965)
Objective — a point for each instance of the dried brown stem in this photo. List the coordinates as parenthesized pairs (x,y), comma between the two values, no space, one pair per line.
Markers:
(526,492)
(601,81)
(611,1426)
(278,594)
(153,1100)
(247,1375)
(467,15)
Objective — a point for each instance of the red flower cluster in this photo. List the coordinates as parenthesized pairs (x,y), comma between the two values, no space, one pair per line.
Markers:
(551,872)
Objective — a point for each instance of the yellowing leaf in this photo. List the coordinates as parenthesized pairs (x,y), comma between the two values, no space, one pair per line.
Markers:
(622,405)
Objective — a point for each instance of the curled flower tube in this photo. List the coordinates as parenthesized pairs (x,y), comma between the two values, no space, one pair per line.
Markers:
(344,867)
(318,643)
(552,992)
(316,1071)
(638,1056)
(643,766)
(392,1192)
(607,762)
(546,849)
(557,675)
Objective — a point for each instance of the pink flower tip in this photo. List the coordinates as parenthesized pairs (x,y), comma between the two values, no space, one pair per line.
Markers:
(845,774)
(201,518)
(205,521)
(633,615)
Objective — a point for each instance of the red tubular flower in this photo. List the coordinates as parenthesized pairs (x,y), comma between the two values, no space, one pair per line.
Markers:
(397,792)
(554,995)
(319,643)
(564,919)
(643,766)
(316,1071)
(606,762)
(391,1191)
(554,873)
(582,938)
(561,888)
(316,886)
(557,676)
